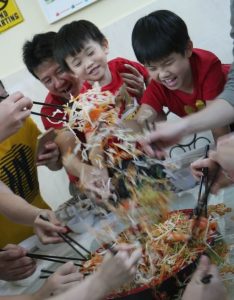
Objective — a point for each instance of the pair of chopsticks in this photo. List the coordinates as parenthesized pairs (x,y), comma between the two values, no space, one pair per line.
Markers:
(49,105)
(203,180)
(202,204)
(70,241)
(53,258)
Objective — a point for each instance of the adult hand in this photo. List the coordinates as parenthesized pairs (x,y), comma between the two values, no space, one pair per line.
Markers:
(64,278)
(166,134)
(221,180)
(47,232)
(51,157)
(134,81)
(14,264)
(13,111)
(224,153)
(197,290)
(119,269)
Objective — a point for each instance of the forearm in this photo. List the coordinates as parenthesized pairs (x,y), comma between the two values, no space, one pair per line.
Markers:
(147,113)
(15,208)
(91,288)
(221,131)
(217,114)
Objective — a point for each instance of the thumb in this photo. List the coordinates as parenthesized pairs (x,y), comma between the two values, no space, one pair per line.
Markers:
(213,155)
(202,268)
(66,269)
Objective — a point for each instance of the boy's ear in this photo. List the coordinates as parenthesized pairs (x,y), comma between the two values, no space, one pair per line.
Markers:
(189,49)
(105,46)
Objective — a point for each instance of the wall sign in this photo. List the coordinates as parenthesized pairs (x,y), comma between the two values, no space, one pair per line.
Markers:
(55,10)
(10,14)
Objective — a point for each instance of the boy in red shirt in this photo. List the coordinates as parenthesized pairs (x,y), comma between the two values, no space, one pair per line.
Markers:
(81,47)
(183,79)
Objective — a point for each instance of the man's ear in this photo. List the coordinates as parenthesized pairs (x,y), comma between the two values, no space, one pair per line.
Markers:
(105,46)
(189,49)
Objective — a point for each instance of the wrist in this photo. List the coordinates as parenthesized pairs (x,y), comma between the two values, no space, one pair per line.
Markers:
(99,285)
(186,126)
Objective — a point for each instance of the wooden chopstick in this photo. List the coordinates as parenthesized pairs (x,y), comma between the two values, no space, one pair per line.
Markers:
(47,116)
(50,104)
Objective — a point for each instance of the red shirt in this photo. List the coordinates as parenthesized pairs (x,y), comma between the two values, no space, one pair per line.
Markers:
(53,111)
(58,113)
(209,77)
(117,67)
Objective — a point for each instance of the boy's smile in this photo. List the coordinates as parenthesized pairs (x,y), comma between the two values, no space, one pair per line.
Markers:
(174,72)
(91,63)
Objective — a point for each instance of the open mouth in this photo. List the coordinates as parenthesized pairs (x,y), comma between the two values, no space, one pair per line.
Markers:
(68,90)
(94,71)
(170,82)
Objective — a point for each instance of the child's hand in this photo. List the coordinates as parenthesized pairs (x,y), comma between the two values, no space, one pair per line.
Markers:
(134,81)
(64,278)
(51,156)
(47,231)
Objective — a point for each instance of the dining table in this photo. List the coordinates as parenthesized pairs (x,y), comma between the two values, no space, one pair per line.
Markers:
(183,200)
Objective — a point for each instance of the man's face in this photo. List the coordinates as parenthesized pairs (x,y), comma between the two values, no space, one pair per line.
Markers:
(58,82)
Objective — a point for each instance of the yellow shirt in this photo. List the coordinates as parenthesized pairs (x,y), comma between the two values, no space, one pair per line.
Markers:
(18,171)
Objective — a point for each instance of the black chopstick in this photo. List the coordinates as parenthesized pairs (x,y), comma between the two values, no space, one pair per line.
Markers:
(46,257)
(78,244)
(47,271)
(68,240)
(204,176)
(50,104)
(204,199)
(55,257)
(46,116)
(50,259)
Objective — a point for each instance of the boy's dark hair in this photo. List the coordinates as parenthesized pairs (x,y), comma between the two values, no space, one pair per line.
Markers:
(159,34)
(38,50)
(72,37)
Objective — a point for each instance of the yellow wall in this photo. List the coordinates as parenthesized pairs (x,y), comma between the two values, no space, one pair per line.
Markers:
(102,13)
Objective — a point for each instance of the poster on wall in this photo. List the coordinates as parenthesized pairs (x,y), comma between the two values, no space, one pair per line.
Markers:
(55,10)
(10,14)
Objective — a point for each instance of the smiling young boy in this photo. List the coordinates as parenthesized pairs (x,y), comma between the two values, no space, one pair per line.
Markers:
(82,48)
(184,79)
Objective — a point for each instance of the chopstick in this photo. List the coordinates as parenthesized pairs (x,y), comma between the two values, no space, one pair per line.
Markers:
(51,272)
(47,116)
(50,259)
(204,199)
(204,176)
(50,104)
(68,240)
(47,258)
(35,255)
